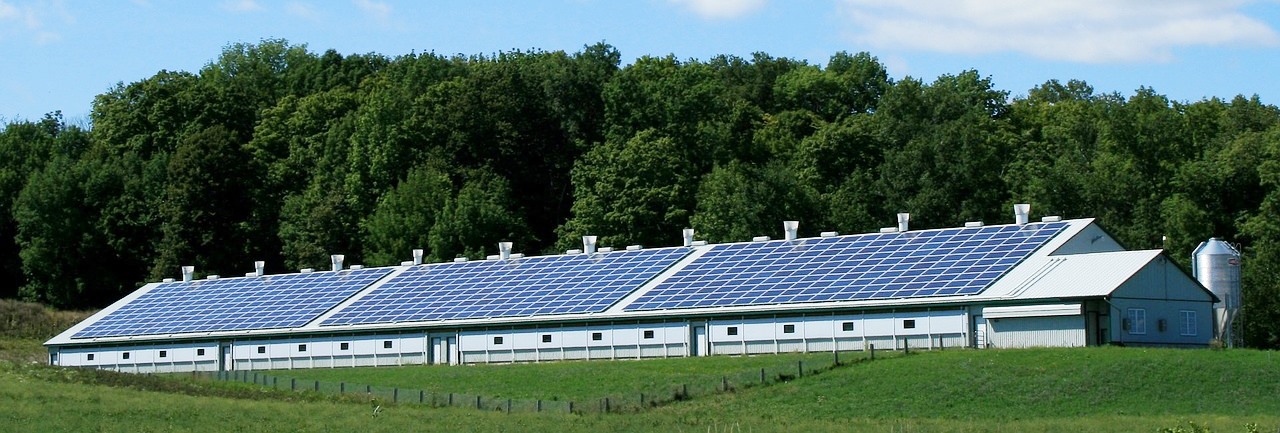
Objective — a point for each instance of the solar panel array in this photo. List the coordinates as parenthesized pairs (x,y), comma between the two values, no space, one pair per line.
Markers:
(233,304)
(578,283)
(958,261)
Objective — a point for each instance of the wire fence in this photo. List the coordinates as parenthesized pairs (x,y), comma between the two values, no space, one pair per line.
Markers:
(639,400)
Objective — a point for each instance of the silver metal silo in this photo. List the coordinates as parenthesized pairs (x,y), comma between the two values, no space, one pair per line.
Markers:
(1216,264)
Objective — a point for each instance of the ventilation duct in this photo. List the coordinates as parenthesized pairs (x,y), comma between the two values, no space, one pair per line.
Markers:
(417,256)
(167,280)
(606,249)
(888,230)
(688,237)
(406,263)
(212,277)
(504,250)
(973,224)
(903,220)
(336,260)
(1021,213)
(259,268)
(829,234)
(789,228)
(589,244)
(572,252)
(634,247)
(1051,219)
(760,239)
(188,273)
(459,259)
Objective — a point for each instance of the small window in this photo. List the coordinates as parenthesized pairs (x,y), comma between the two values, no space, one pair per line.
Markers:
(596,336)
(648,335)
(124,355)
(1137,318)
(302,348)
(263,349)
(846,326)
(386,344)
(164,354)
(1189,328)
(497,340)
(199,352)
(732,330)
(909,324)
(90,357)
(546,338)
(788,329)
(344,346)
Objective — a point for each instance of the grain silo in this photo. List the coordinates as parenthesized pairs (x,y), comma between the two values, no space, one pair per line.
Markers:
(1216,264)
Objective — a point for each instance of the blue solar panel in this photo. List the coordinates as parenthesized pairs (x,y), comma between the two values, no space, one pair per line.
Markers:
(565,284)
(233,304)
(957,261)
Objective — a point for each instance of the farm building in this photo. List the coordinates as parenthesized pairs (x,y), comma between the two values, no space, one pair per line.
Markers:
(1048,283)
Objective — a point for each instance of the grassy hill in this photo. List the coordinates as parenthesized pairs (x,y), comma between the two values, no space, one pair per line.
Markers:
(1067,390)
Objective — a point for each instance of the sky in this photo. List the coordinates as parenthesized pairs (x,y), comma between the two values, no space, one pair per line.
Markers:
(59,54)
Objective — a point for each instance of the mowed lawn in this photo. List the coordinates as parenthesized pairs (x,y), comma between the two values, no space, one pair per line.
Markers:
(1063,390)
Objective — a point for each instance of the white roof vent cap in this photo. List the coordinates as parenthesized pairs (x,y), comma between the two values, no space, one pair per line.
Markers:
(903,219)
(790,229)
(687,234)
(336,261)
(1021,213)
(589,244)
(417,256)
(188,273)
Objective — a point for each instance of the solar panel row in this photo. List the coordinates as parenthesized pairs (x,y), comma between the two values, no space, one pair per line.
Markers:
(890,265)
(565,284)
(233,304)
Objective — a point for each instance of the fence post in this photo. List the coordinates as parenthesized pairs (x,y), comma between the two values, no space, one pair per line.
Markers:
(837,352)
(317,386)
(275,382)
(293,384)
(642,400)
(508,406)
(368,389)
(477,402)
(724,383)
(451,399)
(906,348)
(422,396)
(570,406)
(873,352)
(606,405)
(762,375)
(800,369)
(255,378)
(395,395)
(342,388)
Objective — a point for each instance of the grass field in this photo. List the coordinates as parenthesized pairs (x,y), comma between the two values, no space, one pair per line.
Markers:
(1064,390)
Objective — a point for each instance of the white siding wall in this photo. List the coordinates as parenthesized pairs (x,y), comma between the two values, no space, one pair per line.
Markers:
(1051,331)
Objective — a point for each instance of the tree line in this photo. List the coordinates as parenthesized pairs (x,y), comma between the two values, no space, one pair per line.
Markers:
(273,152)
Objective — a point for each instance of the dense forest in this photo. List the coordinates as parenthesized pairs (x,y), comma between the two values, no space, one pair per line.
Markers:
(274,152)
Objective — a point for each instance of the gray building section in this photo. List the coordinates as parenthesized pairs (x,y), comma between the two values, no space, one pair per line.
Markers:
(1080,288)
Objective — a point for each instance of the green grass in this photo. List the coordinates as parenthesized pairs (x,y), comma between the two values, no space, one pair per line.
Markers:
(1050,390)
(580,381)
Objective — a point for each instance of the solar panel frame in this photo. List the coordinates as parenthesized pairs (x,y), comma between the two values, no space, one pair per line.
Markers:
(944,262)
(232,304)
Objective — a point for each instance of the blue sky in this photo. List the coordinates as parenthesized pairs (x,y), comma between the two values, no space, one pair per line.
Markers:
(57,55)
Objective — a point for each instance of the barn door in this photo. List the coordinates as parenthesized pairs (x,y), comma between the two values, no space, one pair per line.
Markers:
(979,332)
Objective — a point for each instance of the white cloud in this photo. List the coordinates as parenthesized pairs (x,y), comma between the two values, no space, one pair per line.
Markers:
(721,9)
(378,10)
(31,21)
(241,6)
(7,11)
(1091,31)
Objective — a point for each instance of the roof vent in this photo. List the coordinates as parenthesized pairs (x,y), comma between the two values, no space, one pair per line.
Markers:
(259,268)
(973,224)
(760,239)
(357,267)
(572,252)
(212,277)
(459,259)
(251,274)
(634,247)
(1021,213)
(167,280)
(888,230)
(1051,219)
(336,261)
(504,250)
(407,263)
(606,249)
(903,219)
(789,228)
(493,257)
(688,237)
(516,256)
(829,234)
(589,244)
(188,273)
(697,243)
(306,270)
(417,256)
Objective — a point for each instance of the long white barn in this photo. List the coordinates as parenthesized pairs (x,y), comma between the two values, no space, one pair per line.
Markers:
(1047,283)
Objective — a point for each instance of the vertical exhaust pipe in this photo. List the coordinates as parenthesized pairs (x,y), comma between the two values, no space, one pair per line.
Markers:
(259,268)
(688,237)
(1021,213)
(903,221)
(188,273)
(790,228)
(336,260)
(589,244)
(504,250)
(417,256)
